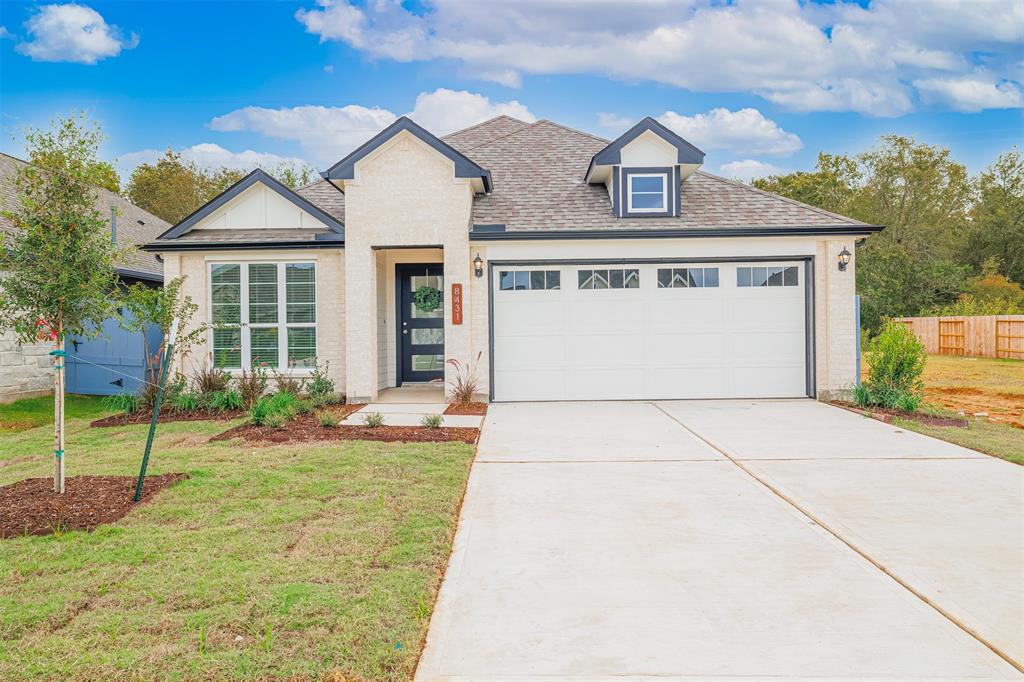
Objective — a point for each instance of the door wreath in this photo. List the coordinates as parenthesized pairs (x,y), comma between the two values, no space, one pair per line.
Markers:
(427,299)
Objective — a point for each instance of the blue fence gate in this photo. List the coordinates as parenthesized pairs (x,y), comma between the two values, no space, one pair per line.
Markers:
(113,362)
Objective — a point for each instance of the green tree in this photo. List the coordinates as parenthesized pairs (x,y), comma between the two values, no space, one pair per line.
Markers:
(59,263)
(142,305)
(100,173)
(989,294)
(833,185)
(294,175)
(173,187)
(997,218)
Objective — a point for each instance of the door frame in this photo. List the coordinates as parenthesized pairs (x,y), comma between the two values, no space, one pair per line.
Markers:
(810,377)
(399,312)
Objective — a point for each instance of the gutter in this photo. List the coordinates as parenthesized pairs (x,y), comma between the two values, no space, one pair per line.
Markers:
(489,233)
(157,247)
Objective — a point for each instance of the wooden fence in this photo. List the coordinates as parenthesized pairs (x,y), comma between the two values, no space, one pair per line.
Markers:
(982,336)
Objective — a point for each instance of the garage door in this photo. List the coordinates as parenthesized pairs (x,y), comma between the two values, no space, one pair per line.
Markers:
(649,331)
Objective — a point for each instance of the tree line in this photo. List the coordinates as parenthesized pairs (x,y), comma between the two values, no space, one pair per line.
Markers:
(952,244)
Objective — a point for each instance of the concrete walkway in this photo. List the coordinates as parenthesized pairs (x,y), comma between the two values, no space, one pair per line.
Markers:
(723,539)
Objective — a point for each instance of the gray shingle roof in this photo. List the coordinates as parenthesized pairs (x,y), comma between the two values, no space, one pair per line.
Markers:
(269,235)
(325,195)
(129,230)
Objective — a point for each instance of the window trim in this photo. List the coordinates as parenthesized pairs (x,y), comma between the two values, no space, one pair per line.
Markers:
(282,323)
(660,210)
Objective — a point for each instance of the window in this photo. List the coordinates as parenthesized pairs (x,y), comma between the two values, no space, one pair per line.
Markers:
(768,276)
(263,314)
(680,278)
(647,193)
(609,279)
(509,280)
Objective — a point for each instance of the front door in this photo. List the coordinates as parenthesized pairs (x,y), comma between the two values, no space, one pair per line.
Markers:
(420,322)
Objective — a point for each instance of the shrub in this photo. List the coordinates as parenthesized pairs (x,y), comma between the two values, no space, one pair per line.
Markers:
(126,403)
(319,383)
(896,359)
(282,404)
(288,384)
(431,421)
(185,401)
(304,406)
(223,401)
(327,420)
(252,385)
(210,379)
(463,387)
(374,420)
(327,399)
(275,420)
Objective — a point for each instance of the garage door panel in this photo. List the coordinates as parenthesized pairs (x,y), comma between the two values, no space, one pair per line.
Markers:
(724,341)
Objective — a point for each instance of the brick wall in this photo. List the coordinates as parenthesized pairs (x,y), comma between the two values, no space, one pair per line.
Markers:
(25,370)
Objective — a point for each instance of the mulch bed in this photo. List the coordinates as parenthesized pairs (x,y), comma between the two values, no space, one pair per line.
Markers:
(886,415)
(167,416)
(306,428)
(30,507)
(466,408)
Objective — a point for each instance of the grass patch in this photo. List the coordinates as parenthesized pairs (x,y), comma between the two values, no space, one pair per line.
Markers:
(999,440)
(291,561)
(30,413)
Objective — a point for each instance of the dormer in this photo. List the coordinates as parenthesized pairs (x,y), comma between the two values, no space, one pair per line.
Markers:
(642,170)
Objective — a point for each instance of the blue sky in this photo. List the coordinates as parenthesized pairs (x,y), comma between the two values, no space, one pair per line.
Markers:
(759,86)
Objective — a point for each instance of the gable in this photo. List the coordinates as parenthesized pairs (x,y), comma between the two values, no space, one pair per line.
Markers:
(648,150)
(259,207)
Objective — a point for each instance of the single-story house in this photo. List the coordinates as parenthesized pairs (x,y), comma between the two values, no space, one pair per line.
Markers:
(575,267)
(102,365)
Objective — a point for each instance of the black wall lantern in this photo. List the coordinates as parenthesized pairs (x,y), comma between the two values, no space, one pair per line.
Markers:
(478,266)
(844,259)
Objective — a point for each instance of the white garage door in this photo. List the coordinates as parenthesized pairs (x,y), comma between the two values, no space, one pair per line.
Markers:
(649,331)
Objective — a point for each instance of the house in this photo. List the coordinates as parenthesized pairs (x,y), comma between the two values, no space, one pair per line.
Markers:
(98,365)
(576,267)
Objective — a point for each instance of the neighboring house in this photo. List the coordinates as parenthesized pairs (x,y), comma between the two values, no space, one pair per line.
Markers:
(26,370)
(588,269)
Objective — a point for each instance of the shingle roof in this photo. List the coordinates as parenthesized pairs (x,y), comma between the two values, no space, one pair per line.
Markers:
(481,133)
(327,196)
(220,236)
(129,229)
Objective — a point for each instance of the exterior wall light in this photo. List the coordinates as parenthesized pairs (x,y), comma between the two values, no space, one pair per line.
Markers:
(844,259)
(478,266)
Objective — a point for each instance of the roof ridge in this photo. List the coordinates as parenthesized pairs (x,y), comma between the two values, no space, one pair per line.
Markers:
(743,185)
(482,123)
(534,125)
(574,130)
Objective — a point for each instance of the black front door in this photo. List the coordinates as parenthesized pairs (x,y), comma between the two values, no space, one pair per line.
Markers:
(420,327)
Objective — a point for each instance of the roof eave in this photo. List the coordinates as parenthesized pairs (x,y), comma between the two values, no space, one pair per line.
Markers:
(493,234)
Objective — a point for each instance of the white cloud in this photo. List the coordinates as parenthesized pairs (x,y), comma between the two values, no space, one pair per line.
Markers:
(329,133)
(73,33)
(746,131)
(614,123)
(805,56)
(970,94)
(748,169)
(210,156)
(4,33)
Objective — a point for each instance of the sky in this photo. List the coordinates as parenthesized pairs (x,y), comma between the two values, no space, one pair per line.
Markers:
(761,86)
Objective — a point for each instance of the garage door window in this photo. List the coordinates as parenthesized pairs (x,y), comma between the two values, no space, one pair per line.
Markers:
(523,280)
(628,278)
(768,277)
(686,278)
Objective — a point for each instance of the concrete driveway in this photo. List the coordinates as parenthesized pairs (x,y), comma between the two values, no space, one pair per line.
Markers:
(721,539)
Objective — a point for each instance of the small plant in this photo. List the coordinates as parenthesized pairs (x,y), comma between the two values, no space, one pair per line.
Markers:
(431,421)
(464,386)
(327,399)
(186,401)
(374,420)
(224,401)
(327,420)
(126,403)
(896,359)
(304,406)
(287,383)
(319,384)
(210,379)
(269,406)
(275,420)
(252,385)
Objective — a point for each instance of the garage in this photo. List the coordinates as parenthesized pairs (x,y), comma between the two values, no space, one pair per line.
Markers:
(651,330)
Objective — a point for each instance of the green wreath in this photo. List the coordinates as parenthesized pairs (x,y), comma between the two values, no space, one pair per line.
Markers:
(427,299)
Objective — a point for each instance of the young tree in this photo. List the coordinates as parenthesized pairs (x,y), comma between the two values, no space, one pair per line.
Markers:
(59,264)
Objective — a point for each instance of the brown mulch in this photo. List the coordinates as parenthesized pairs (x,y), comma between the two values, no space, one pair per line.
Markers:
(30,507)
(306,427)
(466,408)
(165,417)
(886,415)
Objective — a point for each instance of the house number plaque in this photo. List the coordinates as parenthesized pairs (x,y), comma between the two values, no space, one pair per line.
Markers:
(456,304)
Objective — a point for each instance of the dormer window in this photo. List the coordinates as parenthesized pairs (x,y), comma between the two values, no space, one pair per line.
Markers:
(647,193)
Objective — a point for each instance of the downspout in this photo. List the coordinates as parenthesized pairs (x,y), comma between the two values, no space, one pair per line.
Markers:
(113,224)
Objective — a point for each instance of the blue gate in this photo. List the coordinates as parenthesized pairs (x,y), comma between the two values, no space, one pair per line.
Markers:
(113,362)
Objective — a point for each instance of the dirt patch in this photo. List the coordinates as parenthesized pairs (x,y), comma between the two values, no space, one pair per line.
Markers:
(1000,407)
(886,415)
(166,417)
(30,507)
(306,428)
(467,408)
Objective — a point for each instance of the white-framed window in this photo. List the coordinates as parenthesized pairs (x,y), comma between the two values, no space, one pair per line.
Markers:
(647,193)
(263,314)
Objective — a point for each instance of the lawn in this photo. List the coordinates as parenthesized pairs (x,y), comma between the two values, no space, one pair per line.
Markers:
(32,412)
(294,561)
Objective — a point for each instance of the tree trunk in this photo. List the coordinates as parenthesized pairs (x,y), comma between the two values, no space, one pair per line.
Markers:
(58,416)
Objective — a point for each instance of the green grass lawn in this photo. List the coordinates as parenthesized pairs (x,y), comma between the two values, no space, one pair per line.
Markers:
(291,561)
(32,412)
(1000,440)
